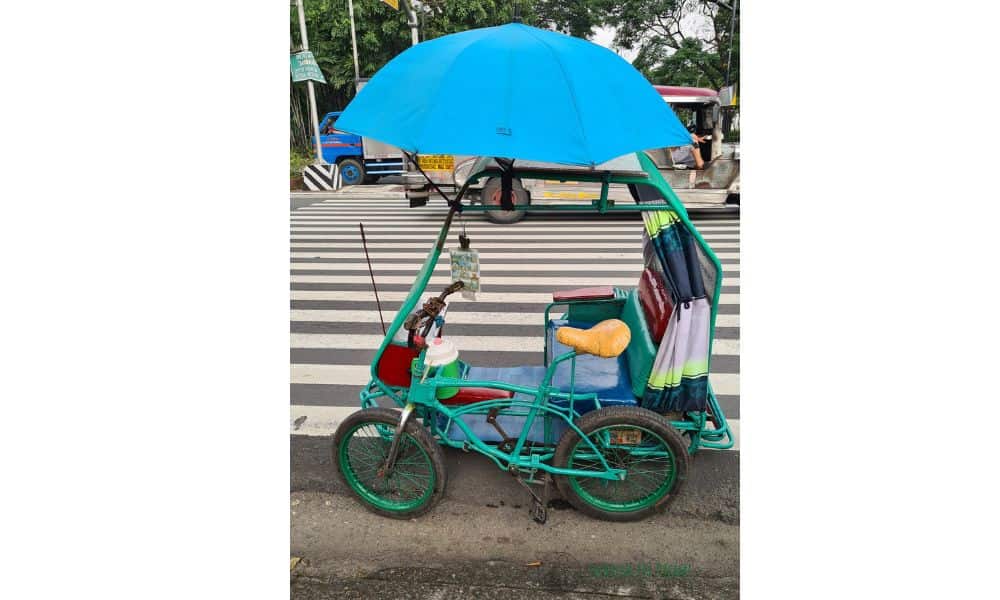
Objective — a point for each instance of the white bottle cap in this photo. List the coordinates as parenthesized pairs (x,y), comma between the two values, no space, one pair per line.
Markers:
(440,352)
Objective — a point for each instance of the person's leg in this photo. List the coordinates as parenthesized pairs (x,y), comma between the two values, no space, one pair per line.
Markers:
(699,162)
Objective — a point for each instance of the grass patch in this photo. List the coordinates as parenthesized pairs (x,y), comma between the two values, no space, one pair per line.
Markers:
(299,159)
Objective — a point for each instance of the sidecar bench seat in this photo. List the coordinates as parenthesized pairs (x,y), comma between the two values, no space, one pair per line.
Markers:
(608,377)
(616,381)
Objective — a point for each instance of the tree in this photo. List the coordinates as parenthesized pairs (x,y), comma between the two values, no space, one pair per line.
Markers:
(382,34)
(575,17)
(671,48)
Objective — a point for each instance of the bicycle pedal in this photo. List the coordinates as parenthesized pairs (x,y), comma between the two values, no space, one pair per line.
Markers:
(539,513)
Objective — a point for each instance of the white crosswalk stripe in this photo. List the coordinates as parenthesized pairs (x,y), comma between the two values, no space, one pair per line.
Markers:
(626,236)
(335,326)
(486,269)
(498,281)
(492,297)
(383,253)
(455,317)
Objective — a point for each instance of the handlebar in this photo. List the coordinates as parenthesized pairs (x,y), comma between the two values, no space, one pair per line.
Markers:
(451,289)
(423,319)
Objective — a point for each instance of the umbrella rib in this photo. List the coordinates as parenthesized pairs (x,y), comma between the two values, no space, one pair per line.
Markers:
(569,86)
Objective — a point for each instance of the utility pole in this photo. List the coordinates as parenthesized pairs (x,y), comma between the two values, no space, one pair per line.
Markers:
(732,32)
(411,20)
(309,84)
(354,42)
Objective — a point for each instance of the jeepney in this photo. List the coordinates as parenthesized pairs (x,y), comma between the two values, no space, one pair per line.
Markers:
(716,187)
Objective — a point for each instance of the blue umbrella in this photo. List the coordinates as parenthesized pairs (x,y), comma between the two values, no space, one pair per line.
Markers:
(514,92)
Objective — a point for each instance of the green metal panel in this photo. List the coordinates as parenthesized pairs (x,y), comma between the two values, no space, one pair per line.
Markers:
(641,350)
(593,313)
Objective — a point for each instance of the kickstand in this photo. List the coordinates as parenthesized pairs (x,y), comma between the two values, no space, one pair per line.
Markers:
(539,506)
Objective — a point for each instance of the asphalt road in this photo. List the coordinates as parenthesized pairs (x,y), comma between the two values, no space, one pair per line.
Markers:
(480,540)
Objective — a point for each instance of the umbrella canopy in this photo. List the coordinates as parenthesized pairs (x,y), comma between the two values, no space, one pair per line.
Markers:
(514,92)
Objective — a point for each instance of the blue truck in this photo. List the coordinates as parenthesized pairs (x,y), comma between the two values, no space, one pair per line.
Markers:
(361,160)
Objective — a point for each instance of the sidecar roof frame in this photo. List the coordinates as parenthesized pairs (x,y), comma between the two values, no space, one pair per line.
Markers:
(635,168)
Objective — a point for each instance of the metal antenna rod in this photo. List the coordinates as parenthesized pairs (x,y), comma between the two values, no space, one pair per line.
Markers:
(364,243)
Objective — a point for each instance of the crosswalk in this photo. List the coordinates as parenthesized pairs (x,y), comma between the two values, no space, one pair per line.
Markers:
(335,327)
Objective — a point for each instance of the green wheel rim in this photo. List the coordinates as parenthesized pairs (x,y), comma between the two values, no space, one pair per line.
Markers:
(651,469)
(410,484)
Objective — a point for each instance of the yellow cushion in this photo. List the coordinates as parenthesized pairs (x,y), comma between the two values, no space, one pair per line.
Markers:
(607,339)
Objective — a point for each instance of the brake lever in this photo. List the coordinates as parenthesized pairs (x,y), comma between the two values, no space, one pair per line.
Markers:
(451,289)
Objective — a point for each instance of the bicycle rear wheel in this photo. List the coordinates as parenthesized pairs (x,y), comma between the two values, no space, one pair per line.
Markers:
(638,441)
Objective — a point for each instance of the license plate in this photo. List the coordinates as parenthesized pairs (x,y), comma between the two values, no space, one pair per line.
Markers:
(436,162)
(626,437)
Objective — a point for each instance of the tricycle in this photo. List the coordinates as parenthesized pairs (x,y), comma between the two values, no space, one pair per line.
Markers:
(621,398)
(600,417)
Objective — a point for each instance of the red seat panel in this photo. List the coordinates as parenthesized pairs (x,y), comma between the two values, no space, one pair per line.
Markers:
(470,394)
(394,366)
(588,293)
(656,303)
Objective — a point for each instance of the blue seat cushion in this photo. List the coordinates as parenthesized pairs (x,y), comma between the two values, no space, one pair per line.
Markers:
(526,376)
(607,377)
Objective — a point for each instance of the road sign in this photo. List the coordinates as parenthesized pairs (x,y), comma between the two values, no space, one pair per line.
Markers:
(304,67)
(392,3)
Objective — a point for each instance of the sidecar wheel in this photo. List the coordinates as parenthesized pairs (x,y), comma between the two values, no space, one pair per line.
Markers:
(637,440)
(491,197)
(414,485)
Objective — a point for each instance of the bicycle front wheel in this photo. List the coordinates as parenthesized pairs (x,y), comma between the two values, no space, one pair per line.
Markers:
(417,479)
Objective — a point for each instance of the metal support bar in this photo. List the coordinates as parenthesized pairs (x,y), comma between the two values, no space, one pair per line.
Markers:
(390,460)
(602,204)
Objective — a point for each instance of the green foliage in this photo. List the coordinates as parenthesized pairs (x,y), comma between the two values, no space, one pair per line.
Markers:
(577,17)
(666,54)
(668,51)
(299,159)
